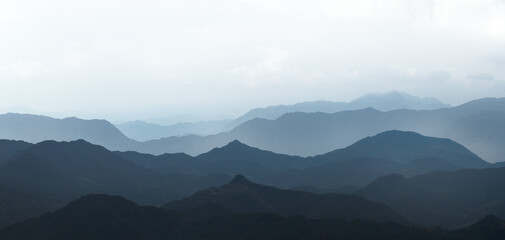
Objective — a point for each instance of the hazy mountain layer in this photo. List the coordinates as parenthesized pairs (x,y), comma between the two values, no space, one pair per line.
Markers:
(35,128)
(478,125)
(144,131)
(384,102)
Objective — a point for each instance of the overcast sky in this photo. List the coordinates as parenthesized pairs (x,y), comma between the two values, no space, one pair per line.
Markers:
(127,59)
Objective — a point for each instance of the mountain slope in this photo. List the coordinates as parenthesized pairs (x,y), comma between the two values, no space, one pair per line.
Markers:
(389,152)
(491,227)
(67,170)
(98,217)
(111,217)
(144,131)
(404,147)
(384,102)
(10,147)
(242,196)
(35,128)
(16,206)
(478,125)
(451,199)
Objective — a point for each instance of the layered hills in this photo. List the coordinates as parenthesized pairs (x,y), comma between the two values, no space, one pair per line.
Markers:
(389,152)
(451,199)
(242,196)
(477,125)
(112,217)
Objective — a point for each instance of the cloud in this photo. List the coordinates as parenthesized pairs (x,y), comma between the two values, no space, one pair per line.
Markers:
(199,54)
(481,77)
(268,70)
(23,70)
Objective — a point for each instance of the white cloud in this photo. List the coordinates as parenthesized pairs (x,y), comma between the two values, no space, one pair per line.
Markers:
(199,54)
(21,71)
(268,70)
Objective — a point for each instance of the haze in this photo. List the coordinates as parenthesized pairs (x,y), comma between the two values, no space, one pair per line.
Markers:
(124,60)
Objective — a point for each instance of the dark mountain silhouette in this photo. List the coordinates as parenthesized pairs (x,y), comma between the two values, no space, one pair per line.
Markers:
(242,196)
(179,163)
(404,147)
(237,151)
(407,153)
(98,217)
(16,206)
(491,227)
(67,170)
(35,128)
(450,199)
(10,147)
(111,217)
(231,159)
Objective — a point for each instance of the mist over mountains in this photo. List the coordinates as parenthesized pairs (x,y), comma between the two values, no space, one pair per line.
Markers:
(36,128)
(383,102)
(401,173)
(477,125)
(252,120)
(143,131)
(49,174)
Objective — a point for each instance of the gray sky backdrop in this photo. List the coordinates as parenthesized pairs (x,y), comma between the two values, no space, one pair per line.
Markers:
(125,59)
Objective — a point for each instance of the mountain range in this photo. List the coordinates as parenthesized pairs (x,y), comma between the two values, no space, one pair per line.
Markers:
(242,196)
(389,101)
(58,172)
(477,125)
(451,199)
(49,174)
(145,131)
(113,217)
(36,128)
(407,153)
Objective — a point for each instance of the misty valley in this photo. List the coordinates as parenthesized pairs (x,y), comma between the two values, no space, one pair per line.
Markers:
(252,120)
(390,166)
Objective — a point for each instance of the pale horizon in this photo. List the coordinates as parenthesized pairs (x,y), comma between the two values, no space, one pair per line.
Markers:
(126,60)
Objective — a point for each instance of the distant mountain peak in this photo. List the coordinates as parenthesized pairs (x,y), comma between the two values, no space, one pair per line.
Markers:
(235,143)
(395,132)
(233,146)
(240,180)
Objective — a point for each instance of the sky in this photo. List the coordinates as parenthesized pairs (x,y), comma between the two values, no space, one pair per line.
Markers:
(125,59)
